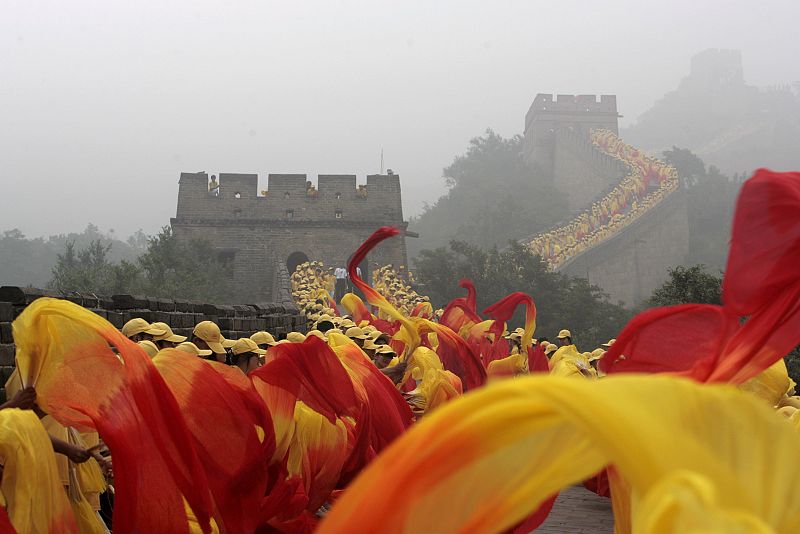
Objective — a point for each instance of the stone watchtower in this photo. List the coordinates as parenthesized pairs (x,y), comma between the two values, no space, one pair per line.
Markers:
(557,145)
(291,222)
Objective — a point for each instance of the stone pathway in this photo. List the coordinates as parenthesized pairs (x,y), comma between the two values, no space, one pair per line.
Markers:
(579,511)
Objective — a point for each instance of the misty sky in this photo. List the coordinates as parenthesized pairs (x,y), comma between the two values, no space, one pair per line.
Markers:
(104,103)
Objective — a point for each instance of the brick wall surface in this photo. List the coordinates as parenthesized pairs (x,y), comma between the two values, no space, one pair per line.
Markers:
(253,231)
(235,321)
(630,265)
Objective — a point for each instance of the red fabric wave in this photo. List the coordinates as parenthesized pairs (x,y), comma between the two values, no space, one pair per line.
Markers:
(222,412)
(765,242)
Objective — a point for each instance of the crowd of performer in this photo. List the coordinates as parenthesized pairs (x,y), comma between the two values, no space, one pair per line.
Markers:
(649,182)
(146,430)
(420,377)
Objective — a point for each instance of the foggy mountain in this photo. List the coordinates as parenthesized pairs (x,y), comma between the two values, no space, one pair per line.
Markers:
(728,123)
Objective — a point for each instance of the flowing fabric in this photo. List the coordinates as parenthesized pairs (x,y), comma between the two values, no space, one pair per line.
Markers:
(232,431)
(456,355)
(65,351)
(765,242)
(390,416)
(314,406)
(36,502)
(493,456)
(462,310)
(759,322)
(410,336)
(503,310)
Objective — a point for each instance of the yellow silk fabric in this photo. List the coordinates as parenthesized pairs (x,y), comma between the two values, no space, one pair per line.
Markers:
(35,499)
(695,457)
(771,385)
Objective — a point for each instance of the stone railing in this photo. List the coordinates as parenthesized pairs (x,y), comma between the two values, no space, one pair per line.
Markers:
(235,321)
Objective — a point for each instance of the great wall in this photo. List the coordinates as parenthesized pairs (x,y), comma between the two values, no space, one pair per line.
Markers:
(628,222)
(626,225)
(291,220)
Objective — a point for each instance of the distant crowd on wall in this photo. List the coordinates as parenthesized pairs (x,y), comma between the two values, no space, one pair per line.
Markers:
(649,182)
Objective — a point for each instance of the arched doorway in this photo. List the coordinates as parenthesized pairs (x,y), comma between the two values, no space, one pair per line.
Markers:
(295,259)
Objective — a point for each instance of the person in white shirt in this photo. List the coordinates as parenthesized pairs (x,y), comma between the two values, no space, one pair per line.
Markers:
(341,283)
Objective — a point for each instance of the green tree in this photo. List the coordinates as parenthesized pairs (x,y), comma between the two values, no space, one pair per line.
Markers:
(183,269)
(89,271)
(493,197)
(168,268)
(711,201)
(562,302)
(688,285)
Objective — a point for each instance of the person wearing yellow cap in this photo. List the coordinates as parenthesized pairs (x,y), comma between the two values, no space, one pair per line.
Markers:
(324,323)
(206,336)
(316,333)
(139,330)
(149,347)
(369,347)
(264,340)
(383,356)
(246,354)
(565,338)
(356,334)
(168,339)
(191,348)
(295,337)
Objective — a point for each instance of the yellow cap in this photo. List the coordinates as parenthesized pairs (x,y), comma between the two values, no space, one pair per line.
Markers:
(245,344)
(168,335)
(385,349)
(295,337)
(316,333)
(347,323)
(369,344)
(333,331)
(355,332)
(596,354)
(227,343)
(563,334)
(209,332)
(263,338)
(139,326)
(550,348)
(608,343)
(149,347)
(191,348)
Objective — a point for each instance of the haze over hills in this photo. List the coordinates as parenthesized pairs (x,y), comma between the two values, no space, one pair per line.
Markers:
(718,116)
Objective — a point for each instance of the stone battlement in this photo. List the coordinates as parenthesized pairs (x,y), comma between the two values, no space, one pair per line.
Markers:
(289,197)
(547,104)
(260,236)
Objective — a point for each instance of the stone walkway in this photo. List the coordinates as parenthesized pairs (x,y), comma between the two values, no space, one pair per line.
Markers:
(579,511)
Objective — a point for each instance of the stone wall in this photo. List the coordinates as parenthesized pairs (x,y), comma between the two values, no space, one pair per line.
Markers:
(581,171)
(235,321)
(633,263)
(548,114)
(253,233)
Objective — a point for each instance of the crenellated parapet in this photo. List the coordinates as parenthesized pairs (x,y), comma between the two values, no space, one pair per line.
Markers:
(290,197)
(260,230)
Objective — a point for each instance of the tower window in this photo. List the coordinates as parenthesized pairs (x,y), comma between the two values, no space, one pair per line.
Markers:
(237,195)
(338,196)
(289,213)
(338,214)
(286,195)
